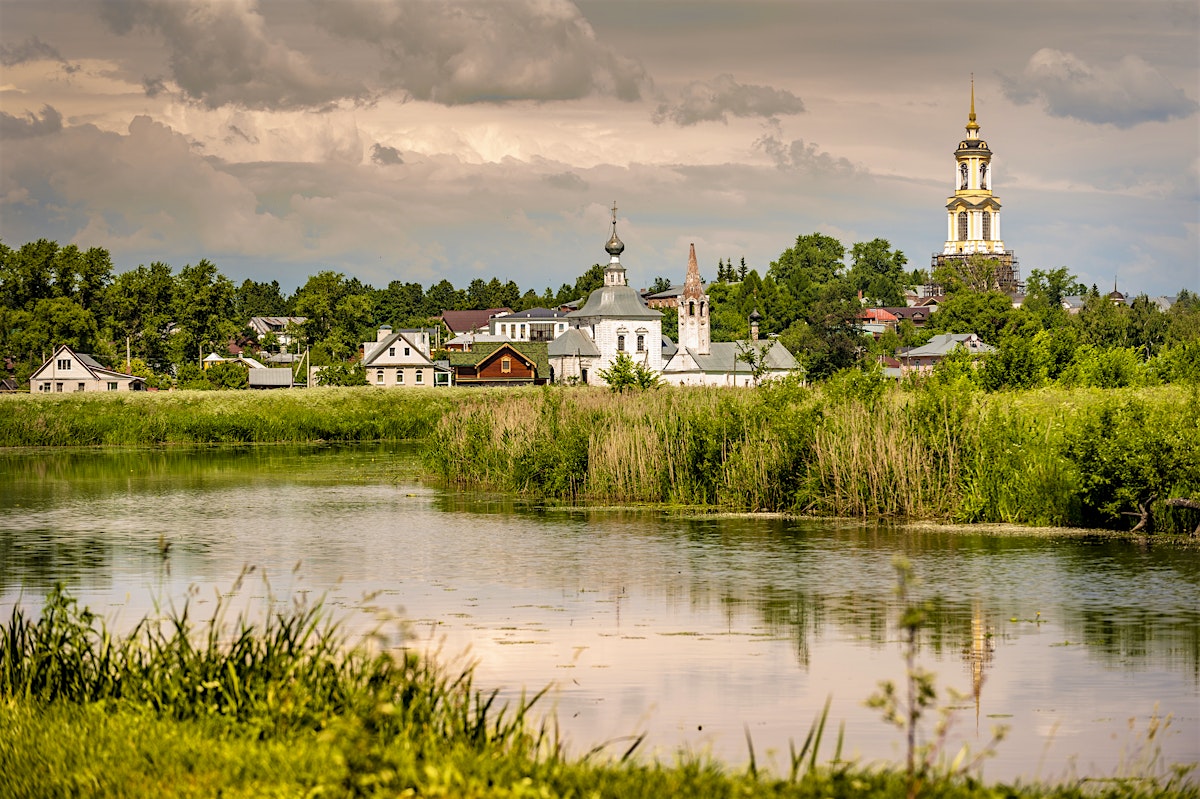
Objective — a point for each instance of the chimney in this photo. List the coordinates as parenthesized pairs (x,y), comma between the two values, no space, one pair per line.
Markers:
(755,318)
(384,332)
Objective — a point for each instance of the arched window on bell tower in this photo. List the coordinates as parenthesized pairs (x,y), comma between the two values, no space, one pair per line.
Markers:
(987,225)
(962,225)
(983,178)
(962,169)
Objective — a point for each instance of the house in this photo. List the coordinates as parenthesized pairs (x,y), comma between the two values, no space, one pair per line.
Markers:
(573,356)
(478,321)
(401,359)
(918,316)
(924,358)
(67,370)
(244,360)
(277,326)
(536,324)
(503,364)
(876,321)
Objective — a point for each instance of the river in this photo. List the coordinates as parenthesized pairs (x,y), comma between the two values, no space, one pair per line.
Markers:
(694,630)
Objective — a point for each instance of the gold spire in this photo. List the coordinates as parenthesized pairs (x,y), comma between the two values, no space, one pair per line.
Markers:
(971,123)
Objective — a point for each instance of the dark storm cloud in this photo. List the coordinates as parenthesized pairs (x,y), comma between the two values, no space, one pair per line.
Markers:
(568,181)
(385,156)
(32,49)
(477,51)
(221,54)
(1128,94)
(715,100)
(30,125)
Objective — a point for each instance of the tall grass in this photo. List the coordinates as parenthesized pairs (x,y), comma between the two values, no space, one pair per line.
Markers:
(177,417)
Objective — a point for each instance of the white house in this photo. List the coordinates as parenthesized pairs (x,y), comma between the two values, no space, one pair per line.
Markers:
(68,370)
(400,359)
(536,324)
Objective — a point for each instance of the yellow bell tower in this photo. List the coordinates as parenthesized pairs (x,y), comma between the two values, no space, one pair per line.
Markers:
(973,211)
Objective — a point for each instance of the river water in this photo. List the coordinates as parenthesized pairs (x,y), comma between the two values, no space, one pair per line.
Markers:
(696,631)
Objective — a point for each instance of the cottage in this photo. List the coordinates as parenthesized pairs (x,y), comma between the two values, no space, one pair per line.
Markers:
(401,358)
(923,359)
(67,370)
(504,364)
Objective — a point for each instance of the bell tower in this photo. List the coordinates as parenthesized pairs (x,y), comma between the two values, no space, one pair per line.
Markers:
(694,330)
(973,211)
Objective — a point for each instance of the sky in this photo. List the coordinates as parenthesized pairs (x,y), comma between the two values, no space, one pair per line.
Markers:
(415,141)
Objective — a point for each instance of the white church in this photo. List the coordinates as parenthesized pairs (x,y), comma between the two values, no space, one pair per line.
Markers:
(615,319)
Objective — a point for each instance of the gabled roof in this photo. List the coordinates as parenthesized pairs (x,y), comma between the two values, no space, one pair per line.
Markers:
(940,346)
(382,346)
(910,312)
(466,321)
(91,364)
(532,350)
(877,315)
(723,357)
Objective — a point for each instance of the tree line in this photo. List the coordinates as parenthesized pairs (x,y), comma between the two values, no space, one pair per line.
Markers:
(811,297)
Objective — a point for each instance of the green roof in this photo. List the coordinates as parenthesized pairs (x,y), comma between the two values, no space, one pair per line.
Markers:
(535,351)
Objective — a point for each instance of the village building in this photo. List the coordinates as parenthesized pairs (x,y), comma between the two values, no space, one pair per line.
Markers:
(700,361)
(478,321)
(503,364)
(615,320)
(70,371)
(535,324)
(973,211)
(278,326)
(403,359)
(927,356)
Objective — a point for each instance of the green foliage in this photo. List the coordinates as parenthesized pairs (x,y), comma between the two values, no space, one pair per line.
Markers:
(1106,367)
(878,272)
(227,375)
(193,377)
(342,374)
(626,375)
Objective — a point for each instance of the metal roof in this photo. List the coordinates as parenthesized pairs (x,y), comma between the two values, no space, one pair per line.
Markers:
(615,302)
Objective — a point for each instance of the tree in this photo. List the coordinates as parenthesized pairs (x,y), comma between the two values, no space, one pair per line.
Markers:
(140,307)
(203,311)
(987,314)
(626,375)
(811,263)
(227,375)
(258,299)
(878,272)
(343,374)
(754,355)
(977,273)
(660,284)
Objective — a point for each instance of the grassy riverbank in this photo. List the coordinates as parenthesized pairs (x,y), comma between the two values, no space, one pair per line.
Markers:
(854,446)
(184,417)
(288,708)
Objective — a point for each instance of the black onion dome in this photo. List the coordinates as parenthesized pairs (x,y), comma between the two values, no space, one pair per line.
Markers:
(614,246)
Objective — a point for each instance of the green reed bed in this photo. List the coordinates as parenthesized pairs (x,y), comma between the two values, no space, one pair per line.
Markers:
(322,414)
(933,451)
(290,707)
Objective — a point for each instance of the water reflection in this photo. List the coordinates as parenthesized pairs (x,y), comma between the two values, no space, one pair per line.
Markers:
(639,616)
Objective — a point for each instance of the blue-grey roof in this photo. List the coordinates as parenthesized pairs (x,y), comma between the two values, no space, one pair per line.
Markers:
(573,342)
(723,356)
(946,343)
(533,313)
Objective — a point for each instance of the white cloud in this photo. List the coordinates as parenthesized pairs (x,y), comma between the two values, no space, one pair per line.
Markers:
(1124,95)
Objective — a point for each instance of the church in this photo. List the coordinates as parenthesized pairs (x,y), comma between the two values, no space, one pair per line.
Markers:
(973,211)
(615,319)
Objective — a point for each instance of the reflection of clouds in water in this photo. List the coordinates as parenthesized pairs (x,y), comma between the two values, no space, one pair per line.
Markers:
(642,621)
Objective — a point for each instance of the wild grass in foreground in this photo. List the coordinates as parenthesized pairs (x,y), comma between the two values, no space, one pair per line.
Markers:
(287,707)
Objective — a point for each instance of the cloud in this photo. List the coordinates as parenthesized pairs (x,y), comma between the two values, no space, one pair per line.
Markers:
(714,100)
(567,181)
(1128,94)
(479,51)
(385,156)
(28,126)
(33,49)
(221,54)
(803,157)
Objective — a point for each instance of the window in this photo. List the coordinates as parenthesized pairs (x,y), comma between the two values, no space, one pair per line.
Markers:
(962,225)
(406,349)
(983,178)
(620,343)
(420,377)
(506,364)
(987,226)
(64,363)
(112,386)
(400,377)
(58,387)
(379,376)
(391,352)
(80,387)
(691,308)
(641,343)
(962,168)
(44,387)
